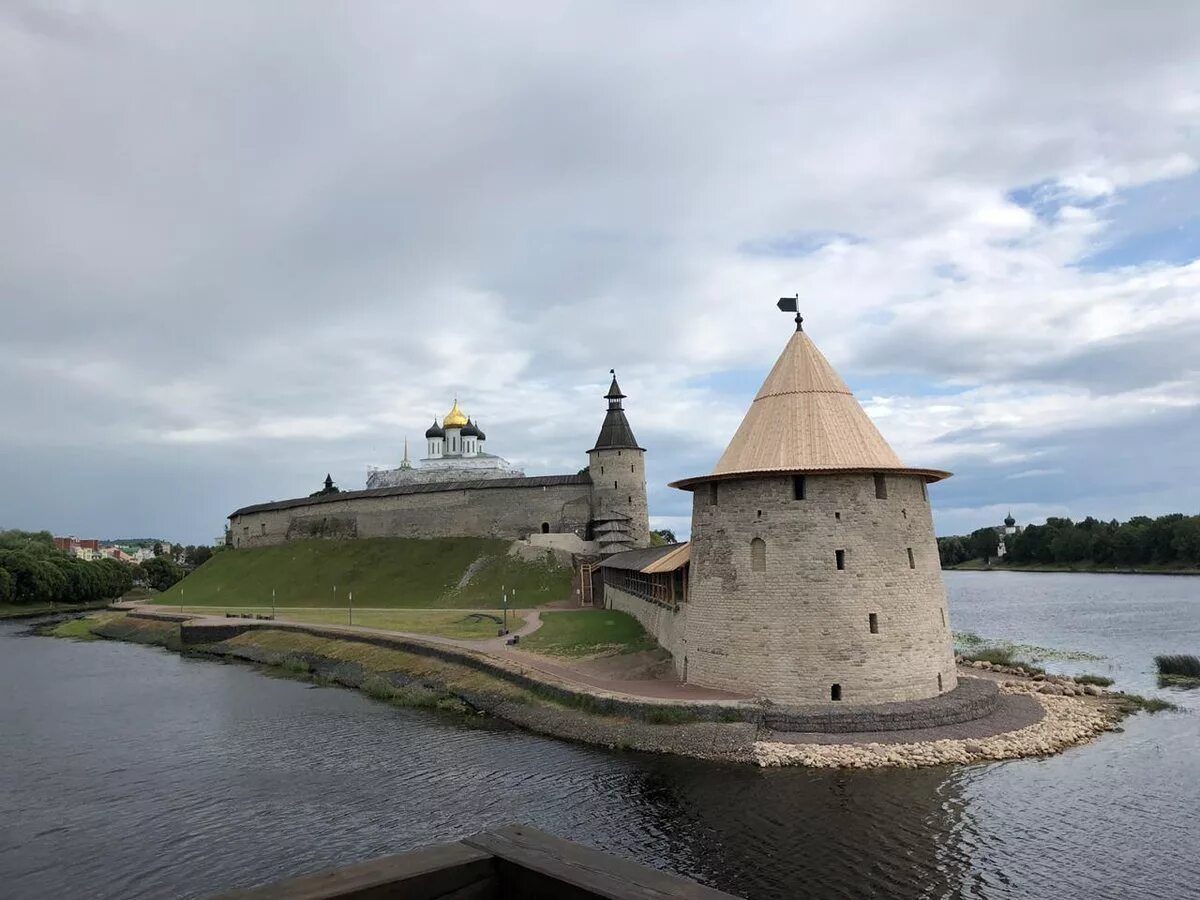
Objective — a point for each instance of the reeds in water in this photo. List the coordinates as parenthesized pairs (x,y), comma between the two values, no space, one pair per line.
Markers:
(1182,665)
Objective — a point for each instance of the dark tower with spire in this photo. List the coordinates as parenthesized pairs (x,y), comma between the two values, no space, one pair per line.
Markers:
(617,465)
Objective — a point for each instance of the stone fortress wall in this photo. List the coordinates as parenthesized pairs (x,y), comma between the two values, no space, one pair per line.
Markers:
(780,619)
(511,509)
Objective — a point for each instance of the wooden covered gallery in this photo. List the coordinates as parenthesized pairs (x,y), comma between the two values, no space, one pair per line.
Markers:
(656,574)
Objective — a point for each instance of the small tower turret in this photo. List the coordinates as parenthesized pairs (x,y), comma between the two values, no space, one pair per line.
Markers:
(617,465)
(454,422)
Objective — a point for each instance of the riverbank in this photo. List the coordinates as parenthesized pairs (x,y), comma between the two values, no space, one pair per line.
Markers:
(1024,724)
(9,611)
(978,565)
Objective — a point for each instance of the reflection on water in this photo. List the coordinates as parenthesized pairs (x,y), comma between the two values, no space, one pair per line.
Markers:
(133,772)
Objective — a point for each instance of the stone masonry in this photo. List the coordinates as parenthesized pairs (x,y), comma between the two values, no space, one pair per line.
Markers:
(782,620)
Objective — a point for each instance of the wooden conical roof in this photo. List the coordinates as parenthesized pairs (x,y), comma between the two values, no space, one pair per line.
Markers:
(804,419)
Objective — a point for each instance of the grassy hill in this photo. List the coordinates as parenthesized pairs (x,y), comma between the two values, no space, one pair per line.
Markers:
(382,573)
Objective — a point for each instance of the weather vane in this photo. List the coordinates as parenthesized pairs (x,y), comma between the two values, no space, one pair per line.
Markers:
(792,304)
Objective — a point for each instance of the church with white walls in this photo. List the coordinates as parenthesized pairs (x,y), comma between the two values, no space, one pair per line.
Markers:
(455,450)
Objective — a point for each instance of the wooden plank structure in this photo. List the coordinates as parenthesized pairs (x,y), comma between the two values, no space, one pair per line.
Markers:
(657,574)
(510,863)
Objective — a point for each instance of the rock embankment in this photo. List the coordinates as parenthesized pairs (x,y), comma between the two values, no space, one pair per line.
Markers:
(1067,721)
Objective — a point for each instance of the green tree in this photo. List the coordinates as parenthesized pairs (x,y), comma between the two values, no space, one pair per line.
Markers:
(983,544)
(198,556)
(662,536)
(6,586)
(161,572)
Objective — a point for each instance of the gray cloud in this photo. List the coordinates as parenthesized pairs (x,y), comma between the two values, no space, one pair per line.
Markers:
(245,244)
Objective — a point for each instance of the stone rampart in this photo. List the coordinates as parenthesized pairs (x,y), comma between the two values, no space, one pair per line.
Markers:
(667,624)
(509,511)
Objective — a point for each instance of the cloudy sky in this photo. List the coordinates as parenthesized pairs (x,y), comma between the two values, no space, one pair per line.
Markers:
(248,243)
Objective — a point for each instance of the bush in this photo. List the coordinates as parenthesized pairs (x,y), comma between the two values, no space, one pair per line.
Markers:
(1002,656)
(1179,664)
(1098,680)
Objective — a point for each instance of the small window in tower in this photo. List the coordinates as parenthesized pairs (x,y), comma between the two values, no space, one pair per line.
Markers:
(939,682)
(629,499)
(712,494)
(758,555)
(602,470)
(840,556)
(798,487)
(759,516)
(912,562)
(264,527)
(545,528)
(873,622)
(880,487)
(618,453)
(614,485)
(631,467)
(904,512)
(838,516)
(835,692)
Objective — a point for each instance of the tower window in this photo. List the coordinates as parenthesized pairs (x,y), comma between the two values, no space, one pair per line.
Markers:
(873,622)
(835,692)
(264,527)
(602,470)
(798,487)
(614,485)
(840,556)
(838,516)
(629,499)
(631,467)
(939,682)
(712,494)
(545,528)
(759,515)
(904,512)
(758,555)
(880,487)
(912,563)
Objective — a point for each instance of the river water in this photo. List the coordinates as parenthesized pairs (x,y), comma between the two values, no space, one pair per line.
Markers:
(128,771)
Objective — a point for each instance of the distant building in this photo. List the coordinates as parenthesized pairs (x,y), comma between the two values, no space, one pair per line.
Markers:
(83,548)
(1009,529)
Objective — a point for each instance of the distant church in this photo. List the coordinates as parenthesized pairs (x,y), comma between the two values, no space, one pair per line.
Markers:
(454,452)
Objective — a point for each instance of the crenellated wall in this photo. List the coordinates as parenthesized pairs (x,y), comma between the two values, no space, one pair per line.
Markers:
(770,612)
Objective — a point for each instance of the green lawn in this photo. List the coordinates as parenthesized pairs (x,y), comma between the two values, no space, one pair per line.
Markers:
(382,572)
(588,632)
(446,623)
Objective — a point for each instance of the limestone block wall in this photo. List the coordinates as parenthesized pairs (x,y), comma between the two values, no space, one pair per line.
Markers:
(668,626)
(509,513)
(780,619)
(619,485)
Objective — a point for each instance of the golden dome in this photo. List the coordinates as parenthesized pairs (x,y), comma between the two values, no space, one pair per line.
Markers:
(455,418)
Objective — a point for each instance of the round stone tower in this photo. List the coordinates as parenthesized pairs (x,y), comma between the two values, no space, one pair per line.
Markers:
(617,465)
(814,568)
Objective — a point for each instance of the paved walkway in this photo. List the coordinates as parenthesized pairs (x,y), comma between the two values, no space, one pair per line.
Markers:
(497,648)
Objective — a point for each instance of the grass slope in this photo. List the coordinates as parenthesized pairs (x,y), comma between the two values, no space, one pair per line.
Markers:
(383,573)
(588,632)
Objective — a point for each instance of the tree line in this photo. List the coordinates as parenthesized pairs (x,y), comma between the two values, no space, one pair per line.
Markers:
(1167,540)
(33,570)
